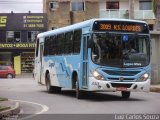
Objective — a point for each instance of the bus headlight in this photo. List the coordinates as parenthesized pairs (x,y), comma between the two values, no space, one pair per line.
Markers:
(144,77)
(97,75)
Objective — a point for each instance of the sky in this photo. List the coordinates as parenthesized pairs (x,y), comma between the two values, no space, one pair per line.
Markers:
(21,6)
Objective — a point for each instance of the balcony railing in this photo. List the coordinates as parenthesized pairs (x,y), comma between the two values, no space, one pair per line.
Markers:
(124,14)
(144,14)
(114,13)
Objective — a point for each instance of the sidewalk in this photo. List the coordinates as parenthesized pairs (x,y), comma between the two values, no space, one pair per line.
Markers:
(25,75)
(155,88)
(13,110)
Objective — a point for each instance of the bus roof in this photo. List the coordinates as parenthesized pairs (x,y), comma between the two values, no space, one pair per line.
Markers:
(87,23)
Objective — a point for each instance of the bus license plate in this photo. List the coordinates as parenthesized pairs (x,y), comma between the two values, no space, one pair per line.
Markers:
(121,88)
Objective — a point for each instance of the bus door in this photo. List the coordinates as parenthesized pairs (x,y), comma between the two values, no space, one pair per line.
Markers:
(85,61)
(38,61)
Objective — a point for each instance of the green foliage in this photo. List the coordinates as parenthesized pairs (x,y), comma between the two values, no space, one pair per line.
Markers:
(154,6)
(3,99)
(2,108)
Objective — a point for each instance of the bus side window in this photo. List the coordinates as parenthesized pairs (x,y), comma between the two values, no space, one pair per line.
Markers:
(77,41)
(60,41)
(46,46)
(37,47)
(68,43)
(53,45)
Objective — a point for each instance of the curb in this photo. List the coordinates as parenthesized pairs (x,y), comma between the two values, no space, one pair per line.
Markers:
(13,111)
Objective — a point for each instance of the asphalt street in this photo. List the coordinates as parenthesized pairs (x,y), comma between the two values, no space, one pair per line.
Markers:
(33,97)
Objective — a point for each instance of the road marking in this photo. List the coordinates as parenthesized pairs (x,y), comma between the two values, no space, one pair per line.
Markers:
(44,109)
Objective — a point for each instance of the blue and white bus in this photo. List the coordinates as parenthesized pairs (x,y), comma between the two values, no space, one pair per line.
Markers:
(95,55)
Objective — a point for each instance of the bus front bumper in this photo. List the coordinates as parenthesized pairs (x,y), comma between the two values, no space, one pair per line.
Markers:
(112,86)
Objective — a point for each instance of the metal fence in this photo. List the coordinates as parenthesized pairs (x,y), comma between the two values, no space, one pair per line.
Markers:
(124,14)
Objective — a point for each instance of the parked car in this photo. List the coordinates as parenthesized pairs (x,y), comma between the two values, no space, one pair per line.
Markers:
(7,72)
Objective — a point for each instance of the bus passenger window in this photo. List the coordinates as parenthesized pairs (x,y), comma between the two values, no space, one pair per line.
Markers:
(52,45)
(68,43)
(77,41)
(60,41)
(46,46)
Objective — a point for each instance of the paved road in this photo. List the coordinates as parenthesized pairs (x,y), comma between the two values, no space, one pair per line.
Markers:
(26,89)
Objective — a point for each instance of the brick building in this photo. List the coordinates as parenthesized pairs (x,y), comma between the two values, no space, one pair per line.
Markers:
(65,12)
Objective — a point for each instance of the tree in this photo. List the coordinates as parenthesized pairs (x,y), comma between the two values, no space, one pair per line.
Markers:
(154,6)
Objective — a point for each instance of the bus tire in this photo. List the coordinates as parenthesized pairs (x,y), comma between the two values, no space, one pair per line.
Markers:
(56,89)
(125,94)
(51,89)
(79,93)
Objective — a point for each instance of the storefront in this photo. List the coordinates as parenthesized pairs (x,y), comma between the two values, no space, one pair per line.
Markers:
(18,55)
(18,33)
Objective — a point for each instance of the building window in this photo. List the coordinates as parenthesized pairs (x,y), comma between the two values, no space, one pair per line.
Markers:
(145,5)
(13,36)
(77,6)
(53,5)
(112,5)
(32,36)
(150,27)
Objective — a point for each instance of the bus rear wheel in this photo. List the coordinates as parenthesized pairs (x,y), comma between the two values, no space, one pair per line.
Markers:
(125,94)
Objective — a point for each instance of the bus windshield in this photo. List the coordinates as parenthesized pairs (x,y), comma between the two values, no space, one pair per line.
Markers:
(121,50)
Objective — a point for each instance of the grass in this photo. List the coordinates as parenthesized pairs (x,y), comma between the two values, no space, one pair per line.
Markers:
(3,99)
(2,108)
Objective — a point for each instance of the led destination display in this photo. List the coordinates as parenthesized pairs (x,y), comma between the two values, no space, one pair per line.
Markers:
(119,26)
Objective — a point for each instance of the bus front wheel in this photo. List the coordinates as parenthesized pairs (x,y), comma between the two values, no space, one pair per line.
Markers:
(48,84)
(125,94)
(79,93)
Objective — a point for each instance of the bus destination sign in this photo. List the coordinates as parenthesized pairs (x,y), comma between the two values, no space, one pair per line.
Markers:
(120,26)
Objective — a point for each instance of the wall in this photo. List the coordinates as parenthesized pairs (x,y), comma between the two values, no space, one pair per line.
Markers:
(155,58)
(124,4)
(79,16)
(102,5)
(59,17)
(136,4)
(63,15)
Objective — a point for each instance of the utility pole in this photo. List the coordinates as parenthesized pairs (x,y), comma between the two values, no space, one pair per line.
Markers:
(131,9)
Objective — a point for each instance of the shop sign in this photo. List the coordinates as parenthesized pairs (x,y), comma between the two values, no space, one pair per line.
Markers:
(17,46)
(3,21)
(33,21)
(23,21)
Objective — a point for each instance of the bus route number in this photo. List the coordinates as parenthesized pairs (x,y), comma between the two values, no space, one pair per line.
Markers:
(105,26)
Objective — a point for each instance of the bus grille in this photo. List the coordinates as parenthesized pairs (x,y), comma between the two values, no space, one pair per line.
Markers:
(121,73)
(124,79)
